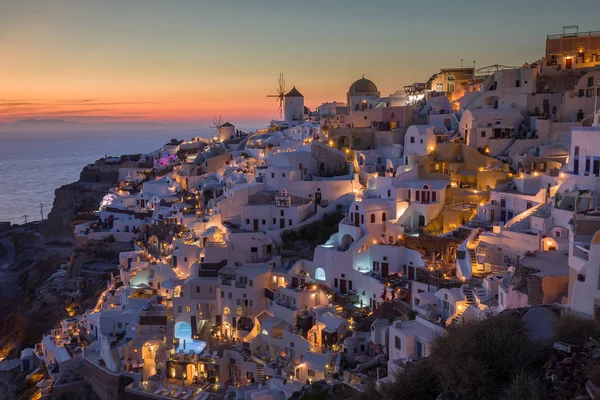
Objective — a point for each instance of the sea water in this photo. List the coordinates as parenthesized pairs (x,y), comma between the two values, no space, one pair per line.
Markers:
(33,165)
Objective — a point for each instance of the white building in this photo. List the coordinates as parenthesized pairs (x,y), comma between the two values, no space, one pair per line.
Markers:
(294,105)
(410,340)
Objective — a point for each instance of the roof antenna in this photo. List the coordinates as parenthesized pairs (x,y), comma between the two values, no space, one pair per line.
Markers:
(363,76)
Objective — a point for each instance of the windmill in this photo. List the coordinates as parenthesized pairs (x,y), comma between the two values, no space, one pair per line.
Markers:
(280,94)
(217,123)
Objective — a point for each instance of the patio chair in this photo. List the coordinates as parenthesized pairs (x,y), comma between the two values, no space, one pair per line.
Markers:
(178,392)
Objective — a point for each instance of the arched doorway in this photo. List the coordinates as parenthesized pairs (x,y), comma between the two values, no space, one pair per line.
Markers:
(320,274)
(347,241)
(151,356)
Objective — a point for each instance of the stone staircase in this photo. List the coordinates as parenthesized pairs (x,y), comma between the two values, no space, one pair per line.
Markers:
(170,326)
(246,353)
(481,293)
(469,296)
(472,250)
(260,373)
(456,317)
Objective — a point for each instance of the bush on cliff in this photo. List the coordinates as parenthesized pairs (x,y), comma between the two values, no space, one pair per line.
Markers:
(488,359)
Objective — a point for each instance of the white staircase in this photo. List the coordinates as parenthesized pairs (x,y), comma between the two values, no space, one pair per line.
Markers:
(473,251)
(260,373)
(469,296)
(170,326)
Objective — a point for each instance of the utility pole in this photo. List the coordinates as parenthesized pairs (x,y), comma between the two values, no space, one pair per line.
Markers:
(25,216)
(42,211)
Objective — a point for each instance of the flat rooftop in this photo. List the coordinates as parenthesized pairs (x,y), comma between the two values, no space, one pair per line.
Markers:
(549,263)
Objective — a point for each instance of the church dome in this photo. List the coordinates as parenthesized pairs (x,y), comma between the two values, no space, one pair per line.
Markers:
(363,86)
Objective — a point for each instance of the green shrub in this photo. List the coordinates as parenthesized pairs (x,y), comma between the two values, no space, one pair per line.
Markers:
(474,360)
(575,329)
(418,381)
(525,386)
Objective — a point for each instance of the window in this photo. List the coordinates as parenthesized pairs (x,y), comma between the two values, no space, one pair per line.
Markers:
(365,117)
(251,303)
(311,373)
(417,195)
(389,193)
(250,282)
(272,174)
(581,277)
(335,283)
(372,218)
(187,309)
(518,83)
(283,175)
(274,221)
(412,139)
(482,133)
(529,205)
(230,296)
(576,150)
(179,309)
(222,294)
(290,222)
(281,213)
(590,82)
(362,218)
(210,289)
(357,141)
(120,325)
(587,164)
(397,342)
(502,203)
(247,221)
(383,217)
(197,289)
(349,285)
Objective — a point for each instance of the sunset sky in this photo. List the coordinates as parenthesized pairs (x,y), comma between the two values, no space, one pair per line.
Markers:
(186,61)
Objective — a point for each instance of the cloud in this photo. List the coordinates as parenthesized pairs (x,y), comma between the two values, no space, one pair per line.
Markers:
(91,102)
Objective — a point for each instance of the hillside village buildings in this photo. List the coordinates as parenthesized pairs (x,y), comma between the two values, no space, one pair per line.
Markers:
(462,197)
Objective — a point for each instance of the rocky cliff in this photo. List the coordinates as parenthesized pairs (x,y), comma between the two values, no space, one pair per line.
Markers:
(69,201)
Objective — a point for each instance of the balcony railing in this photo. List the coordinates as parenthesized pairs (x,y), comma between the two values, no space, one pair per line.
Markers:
(573,34)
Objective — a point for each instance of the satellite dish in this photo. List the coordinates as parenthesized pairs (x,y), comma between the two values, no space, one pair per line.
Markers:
(541,325)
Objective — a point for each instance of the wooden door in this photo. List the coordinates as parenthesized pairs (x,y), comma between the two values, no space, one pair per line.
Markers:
(384,269)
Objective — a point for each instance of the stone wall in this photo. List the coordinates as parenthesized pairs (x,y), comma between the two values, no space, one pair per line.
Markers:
(106,385)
